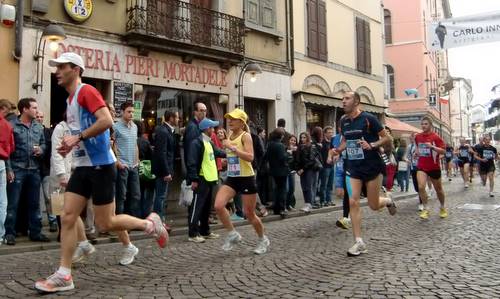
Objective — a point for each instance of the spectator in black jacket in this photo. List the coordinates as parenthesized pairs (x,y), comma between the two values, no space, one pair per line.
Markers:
(307,169)
(202,175)
(277,157)
(147,186)
(292,152)
(163,158)
(327,173)
(192,131)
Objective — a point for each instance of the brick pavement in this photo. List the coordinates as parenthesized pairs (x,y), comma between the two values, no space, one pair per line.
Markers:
(407,258)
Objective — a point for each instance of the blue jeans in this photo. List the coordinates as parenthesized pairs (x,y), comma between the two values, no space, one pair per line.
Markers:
(161,190)
(403,178)
(29,182)
(3,198)
(128,192)
(308,183)
(326,176)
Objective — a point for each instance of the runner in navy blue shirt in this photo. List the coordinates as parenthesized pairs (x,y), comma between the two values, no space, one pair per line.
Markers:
(487,154)
(464,158)
(448,156)
(362,135)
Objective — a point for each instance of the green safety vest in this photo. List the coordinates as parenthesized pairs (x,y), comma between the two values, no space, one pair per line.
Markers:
(208,166)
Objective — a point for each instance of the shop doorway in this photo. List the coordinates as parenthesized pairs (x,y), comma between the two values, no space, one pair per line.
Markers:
(58,96)
(257,111)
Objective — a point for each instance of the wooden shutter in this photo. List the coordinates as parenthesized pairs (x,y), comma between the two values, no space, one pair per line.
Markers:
(322,45)
(268,11)
(368,54)
(253,12)
(312,29)
(387,26)
(360,45)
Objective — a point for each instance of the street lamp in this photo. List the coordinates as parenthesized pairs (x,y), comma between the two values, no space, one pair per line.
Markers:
(54,34)
(253,69)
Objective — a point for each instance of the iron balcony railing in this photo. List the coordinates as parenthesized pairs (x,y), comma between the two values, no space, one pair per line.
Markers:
(184,22)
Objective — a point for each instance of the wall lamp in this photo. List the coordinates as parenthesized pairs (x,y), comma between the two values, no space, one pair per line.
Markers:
(53,34)
(253,69)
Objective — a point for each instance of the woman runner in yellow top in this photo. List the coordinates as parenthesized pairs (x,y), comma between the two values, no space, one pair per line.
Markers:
(240,180)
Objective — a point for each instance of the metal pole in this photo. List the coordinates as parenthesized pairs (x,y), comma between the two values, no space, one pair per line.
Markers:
(240,83)
(460,109)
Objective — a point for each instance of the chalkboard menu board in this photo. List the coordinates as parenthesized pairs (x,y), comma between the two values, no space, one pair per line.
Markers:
(122,92)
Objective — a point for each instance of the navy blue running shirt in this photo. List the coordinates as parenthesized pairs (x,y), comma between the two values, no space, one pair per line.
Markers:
(364,126)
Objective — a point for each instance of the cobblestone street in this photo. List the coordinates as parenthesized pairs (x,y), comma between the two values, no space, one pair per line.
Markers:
(407,258)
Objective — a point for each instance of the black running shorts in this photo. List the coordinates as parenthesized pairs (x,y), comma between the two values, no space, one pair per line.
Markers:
(96,182)
(242,184)
(433,174)
(486,168)
(369,171)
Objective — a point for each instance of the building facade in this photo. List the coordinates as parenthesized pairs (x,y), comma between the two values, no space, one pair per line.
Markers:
(460,104)
(337,47)
(9,76)
(413,74)
(492,119)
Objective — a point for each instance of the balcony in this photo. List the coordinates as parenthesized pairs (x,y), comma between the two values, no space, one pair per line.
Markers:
(185,29)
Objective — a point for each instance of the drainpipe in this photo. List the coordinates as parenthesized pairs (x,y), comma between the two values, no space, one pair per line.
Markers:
(292,47)
(19,30)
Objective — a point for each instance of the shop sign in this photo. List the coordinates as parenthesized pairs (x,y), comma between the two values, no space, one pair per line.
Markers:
(110,61)
(138,110)
(79,10)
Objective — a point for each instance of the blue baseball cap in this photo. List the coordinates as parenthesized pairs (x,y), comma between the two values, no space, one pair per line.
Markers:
(207,123)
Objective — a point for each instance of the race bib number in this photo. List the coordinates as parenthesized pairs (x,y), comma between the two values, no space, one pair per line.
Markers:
(79,150)
(354,150)
(424,150)
(448,155)
(488,154)
(464,153)
(233,166)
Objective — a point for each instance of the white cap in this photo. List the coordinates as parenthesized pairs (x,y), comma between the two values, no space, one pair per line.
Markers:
(68,57)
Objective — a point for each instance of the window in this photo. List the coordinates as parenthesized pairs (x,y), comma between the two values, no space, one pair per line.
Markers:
(387,26)
(390,82)
(364,60)
(316,30)
(261,13)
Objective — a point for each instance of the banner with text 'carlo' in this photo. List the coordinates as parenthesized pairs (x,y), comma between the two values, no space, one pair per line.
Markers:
(463,31)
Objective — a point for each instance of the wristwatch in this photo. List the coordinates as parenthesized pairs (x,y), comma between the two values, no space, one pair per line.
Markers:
(80,137)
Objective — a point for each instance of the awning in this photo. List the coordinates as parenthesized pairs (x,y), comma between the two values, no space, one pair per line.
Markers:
(320,100)
(328,101)
(397,125)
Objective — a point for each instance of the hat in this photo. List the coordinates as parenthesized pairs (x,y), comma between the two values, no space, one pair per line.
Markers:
(207,123)
(237,114)
(68,57)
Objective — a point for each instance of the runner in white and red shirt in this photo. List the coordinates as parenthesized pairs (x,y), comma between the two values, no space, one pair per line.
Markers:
(429,147)
(94,175)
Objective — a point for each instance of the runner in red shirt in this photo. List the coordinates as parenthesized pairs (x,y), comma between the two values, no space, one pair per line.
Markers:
(429,147)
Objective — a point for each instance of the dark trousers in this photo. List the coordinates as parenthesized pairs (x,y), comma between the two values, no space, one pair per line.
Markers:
(199,210)
(262,181)
(290,196)
(415,182)
(280,194)
(147,197)
(27,182)
(345,201)
(308,182)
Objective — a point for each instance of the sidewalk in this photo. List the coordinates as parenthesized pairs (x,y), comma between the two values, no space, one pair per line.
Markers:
(177,219)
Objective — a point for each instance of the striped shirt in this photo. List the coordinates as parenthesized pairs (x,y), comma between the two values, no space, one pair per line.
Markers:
(126,142)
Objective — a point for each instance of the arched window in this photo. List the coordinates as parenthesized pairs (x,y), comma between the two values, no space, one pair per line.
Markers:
(391,90)
(387,26)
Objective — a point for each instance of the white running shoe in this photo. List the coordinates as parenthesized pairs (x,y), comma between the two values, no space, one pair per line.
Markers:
(128,255)
(466,186)
(262,246)
(231,239)
(491,194)
(196,239)
(420,207)
(81,252)
(307,208)
(358,248)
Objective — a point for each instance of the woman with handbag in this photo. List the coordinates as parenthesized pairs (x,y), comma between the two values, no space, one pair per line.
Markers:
(308,167)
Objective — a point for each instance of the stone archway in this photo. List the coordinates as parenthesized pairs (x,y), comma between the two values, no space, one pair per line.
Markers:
(366,95)
(339,88)
(316,82)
